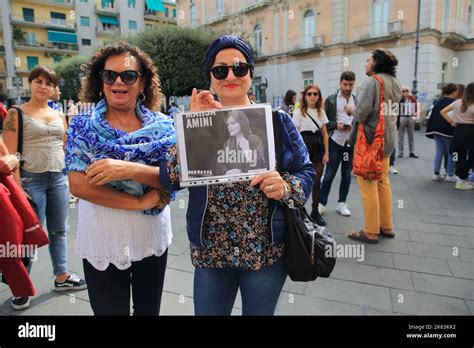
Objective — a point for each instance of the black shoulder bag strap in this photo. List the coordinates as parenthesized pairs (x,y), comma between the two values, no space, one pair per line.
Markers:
(20,130)
(278,141)
(312,119)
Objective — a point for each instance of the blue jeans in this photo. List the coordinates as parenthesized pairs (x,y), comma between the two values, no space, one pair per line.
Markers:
(215,289)
(337,155)
(443,145)
(50,194)
(392,157)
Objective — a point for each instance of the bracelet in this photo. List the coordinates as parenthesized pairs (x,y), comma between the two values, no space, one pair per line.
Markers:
(287,193)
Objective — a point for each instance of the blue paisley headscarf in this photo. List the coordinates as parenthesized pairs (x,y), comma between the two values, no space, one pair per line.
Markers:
(91,138)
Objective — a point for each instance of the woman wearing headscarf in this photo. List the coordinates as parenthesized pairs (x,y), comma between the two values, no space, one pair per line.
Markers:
(237,230)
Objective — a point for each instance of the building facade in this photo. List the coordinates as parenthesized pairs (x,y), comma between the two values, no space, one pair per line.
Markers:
(43,32)
(312,41)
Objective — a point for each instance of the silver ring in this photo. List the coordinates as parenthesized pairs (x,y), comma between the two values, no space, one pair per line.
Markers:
(270,188)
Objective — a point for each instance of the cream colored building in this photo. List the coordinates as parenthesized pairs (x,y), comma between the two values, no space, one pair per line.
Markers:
(313,41)
(43,32)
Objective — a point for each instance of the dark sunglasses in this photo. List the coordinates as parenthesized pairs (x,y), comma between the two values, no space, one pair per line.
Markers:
(239,69)
(405,90)
(128,77)
(309,94)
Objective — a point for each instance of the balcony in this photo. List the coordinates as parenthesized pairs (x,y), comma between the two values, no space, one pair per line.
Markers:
(43,22)
(160,17)
(59,3)
(110,9)
(251,5)
(46,46)
(378,31)
(455,30)
(306,44)
(217,16)
(107,31)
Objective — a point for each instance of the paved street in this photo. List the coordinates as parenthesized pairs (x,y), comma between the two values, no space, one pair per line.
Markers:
(427,269)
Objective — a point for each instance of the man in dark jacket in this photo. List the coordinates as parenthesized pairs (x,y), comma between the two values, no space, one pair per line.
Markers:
(339,109)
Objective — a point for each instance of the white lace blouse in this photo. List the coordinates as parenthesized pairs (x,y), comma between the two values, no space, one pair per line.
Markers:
(115,236)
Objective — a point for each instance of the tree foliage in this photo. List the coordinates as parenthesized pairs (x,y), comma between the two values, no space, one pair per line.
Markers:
(179,55)
(69,73)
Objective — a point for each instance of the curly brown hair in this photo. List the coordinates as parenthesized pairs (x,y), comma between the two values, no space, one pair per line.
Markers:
(92,84)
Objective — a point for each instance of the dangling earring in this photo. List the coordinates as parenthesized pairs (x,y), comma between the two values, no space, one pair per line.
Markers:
(101,95)
(142,97)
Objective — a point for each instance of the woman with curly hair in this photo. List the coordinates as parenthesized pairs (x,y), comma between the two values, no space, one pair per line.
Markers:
(112,158)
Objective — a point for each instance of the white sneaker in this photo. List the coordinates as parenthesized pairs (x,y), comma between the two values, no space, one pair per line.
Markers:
(342,209)
(393,170)
(463,185)
(451,178)
(437,177)
(321,208)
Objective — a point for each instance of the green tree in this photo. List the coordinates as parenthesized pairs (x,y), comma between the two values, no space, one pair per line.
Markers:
(179,55)
(69,76)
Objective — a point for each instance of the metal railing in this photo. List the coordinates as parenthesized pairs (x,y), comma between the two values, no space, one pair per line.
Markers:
(305,42)
(456,25)
(160,15)
(46,45)
(378,29)
(249,5)
(58,22)
(66,3)
(216,16)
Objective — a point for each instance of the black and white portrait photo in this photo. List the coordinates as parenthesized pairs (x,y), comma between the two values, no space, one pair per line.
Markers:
(225,145)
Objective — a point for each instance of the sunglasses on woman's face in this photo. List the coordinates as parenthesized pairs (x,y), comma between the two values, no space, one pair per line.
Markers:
(128,77)
(239,69)
(309,94)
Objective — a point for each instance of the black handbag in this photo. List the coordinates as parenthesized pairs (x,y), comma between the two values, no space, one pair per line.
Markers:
(316,137)
(310,249)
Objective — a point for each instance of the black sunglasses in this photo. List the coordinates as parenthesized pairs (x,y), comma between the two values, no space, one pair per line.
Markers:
(239,69)
(128,77)
(309,94)
(405,90)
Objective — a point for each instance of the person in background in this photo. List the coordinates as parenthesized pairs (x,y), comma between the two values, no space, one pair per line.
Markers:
(289,102)
(408,111)
(41,176)
(339,109)
(442,132)
(462,120)
(377,194)
(392,169)
(311,120)
(461,89)
(252,96)
(71,110)
(173,110)
(55,102)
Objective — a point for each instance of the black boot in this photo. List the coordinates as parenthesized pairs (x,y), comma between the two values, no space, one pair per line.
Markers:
(317,217)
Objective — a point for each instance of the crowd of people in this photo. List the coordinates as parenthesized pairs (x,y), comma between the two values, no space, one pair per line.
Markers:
(119,157)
